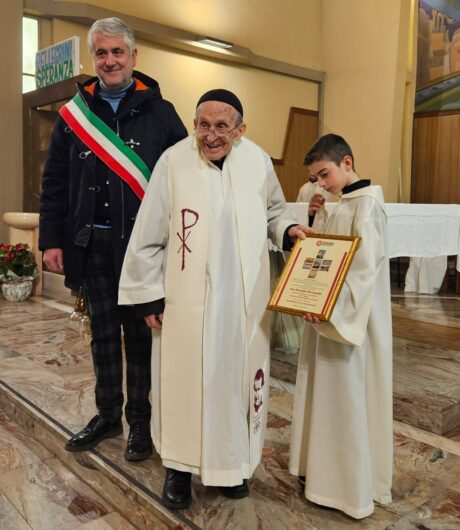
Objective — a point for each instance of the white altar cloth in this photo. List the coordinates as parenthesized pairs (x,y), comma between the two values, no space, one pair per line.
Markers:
(414,230)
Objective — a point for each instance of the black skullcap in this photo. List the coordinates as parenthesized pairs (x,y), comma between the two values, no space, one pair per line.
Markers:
(225,96)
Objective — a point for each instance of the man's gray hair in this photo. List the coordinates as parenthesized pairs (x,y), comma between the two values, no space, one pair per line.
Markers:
(239,118)
(113,27)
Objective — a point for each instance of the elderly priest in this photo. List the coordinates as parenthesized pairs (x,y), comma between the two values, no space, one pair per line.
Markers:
(197,267)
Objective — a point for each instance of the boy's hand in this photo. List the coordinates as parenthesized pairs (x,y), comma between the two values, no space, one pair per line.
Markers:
(315,203)
(311,318)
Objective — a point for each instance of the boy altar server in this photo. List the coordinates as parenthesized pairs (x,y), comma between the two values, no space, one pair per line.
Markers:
(342,421)
(214,198)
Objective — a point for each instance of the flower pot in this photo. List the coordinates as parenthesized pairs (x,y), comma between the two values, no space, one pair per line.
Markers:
(17,291)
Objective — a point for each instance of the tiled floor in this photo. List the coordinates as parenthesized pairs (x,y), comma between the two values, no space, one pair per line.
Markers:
(46,382)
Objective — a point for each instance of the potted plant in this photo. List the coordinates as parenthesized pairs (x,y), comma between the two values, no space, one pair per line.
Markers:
(18,268)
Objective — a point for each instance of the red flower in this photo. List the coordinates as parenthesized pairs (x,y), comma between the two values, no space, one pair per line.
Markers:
(16,261)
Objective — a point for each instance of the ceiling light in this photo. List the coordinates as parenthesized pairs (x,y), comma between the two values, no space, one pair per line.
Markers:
(211,41)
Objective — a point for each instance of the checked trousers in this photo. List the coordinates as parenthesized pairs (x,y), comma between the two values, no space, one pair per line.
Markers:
(107,321)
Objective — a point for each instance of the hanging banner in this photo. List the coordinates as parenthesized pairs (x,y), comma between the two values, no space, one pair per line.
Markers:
(57,62)
(438,56)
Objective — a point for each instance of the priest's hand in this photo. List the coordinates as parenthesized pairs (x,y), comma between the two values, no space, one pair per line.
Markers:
(316,202)
(298,232)
(311,318)
(154,321)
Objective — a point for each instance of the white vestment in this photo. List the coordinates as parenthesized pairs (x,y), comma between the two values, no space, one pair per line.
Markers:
(342,420)
(200,241)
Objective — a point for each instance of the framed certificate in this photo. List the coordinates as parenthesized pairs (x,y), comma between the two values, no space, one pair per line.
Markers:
(313,275)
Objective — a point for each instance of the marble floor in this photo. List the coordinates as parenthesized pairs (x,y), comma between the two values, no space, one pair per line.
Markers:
(38,491)
(426,339)
(46,393)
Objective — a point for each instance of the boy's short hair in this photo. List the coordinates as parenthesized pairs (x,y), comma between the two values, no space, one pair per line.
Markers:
(329,147)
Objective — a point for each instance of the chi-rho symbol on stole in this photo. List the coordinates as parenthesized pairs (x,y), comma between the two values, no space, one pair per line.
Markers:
(189,220)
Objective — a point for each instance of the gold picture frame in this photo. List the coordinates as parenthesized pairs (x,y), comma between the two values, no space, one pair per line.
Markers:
(313,275)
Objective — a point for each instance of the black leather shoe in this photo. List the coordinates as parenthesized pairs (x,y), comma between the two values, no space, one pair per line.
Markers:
(97,429)
(236,492)
(177,490)
(140,444)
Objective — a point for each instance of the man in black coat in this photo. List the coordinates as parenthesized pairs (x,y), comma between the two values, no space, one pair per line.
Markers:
(104,146)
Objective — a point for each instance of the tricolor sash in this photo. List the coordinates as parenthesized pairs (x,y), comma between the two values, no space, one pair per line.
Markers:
(106,145)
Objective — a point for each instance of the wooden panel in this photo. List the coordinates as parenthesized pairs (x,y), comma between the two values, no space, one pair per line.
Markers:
(38,123)
(435,158)
(41,123)
(302,131)
(443,159)
(454,188)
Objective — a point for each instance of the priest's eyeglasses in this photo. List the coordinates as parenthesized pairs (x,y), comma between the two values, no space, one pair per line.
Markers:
(220,130)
